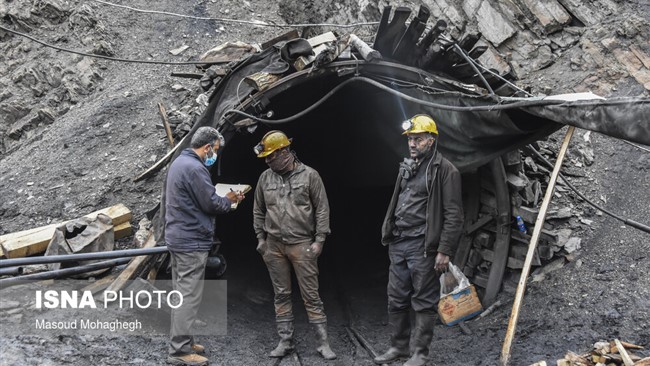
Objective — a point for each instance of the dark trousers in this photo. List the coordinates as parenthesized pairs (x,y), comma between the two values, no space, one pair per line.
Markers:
(280,258)
(188,270)
(412,279)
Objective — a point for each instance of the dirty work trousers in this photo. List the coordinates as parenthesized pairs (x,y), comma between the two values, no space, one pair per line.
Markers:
(280,258)
(188,269)
(412,278)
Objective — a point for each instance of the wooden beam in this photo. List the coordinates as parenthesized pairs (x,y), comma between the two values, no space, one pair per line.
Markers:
(131,270)
(101,283)
(123,230)
(168,130)
(159,164)
(35,241)
(521,287)
(624,355)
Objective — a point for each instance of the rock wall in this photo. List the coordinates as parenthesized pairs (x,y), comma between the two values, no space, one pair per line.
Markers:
(550,46)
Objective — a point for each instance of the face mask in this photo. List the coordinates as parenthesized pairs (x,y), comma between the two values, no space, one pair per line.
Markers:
(210,160)
(281,163)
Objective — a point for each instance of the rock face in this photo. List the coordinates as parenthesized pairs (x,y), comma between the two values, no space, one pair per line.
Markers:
(551,46)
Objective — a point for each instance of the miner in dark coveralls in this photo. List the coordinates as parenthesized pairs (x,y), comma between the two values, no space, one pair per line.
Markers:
(421,229)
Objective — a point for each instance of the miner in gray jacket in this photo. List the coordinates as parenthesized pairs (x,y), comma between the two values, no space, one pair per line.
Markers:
(422,229)
(291,221)
(191,203)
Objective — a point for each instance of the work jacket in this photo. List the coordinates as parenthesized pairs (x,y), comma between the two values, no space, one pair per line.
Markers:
(191,203)
(444,213)
(292,208)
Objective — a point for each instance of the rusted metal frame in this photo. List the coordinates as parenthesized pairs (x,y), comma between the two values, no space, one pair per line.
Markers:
(539,224)
(501,246)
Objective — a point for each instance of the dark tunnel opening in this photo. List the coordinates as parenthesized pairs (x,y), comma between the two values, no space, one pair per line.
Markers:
(346,141)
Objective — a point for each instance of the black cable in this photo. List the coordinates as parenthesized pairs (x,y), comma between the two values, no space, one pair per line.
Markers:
(112,58)
(487,108)
(632,223)
(470,61)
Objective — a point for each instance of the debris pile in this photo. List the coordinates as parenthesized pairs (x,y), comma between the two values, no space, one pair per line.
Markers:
(613,353)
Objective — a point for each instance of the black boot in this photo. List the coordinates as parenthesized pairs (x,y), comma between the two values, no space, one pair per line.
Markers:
(423,334)
(400,327)
(285,331)
(323,342)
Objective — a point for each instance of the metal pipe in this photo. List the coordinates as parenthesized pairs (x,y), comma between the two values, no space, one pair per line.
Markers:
(81,257)
(11,271)
(59,273)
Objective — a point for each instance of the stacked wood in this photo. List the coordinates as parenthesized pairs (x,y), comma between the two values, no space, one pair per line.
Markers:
(526,183)
(613,353)
(35,241)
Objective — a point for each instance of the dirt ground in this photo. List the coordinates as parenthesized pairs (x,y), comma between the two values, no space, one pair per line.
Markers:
(103,133)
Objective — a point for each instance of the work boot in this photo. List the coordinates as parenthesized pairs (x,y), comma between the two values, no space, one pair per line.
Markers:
(190,359)
(323,342)
(400,327)
(423,334)
(285,331)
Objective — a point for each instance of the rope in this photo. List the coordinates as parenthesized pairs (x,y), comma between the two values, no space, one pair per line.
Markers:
(632,223)
(237,21)
(108,57)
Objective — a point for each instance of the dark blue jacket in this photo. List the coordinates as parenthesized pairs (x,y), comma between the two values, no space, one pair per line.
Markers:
(191,204)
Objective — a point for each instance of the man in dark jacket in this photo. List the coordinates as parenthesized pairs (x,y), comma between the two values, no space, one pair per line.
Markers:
(191,204)
(422,229)
(291,221)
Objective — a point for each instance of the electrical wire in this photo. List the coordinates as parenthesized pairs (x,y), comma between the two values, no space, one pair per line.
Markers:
(237,21)
(487,108)
(637,146)
(108,57)
(478,64)
(632,223)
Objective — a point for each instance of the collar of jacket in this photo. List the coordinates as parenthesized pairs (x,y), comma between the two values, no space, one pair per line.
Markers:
(190,152)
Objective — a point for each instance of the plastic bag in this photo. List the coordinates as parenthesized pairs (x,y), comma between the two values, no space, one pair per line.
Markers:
(453,281)
(83,235)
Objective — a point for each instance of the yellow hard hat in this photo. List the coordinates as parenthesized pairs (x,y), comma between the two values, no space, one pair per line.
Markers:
(420,123)
(272,141)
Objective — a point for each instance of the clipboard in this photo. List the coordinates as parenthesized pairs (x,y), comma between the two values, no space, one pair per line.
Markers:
(222,189)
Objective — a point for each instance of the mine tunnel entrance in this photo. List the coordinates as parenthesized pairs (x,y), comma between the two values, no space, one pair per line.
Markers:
(344,139)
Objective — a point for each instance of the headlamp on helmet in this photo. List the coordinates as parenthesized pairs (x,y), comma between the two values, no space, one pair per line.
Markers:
(258,148)
(272,141)
(420,123)
(407,125)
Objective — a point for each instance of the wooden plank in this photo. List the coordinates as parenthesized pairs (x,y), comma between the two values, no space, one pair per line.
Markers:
(35,241)
(521,287)
(168,130)
(123,230)
(621,350)
(133,267)
(101,283)
(322,38)
(159,164)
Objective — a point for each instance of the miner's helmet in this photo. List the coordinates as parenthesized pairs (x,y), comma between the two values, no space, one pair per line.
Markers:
(420,123)
(273,140)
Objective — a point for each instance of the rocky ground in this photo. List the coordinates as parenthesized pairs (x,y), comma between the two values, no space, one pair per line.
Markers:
(74,131)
